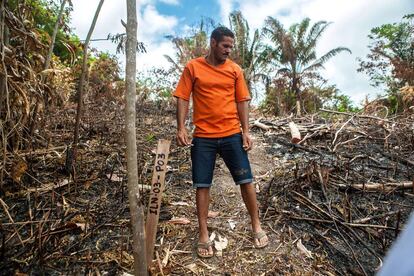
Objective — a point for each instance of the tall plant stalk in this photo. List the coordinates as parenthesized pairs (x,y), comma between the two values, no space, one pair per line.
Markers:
(81,85)
(136,208)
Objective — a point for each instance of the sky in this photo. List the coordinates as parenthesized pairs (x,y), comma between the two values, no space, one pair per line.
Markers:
(351,20)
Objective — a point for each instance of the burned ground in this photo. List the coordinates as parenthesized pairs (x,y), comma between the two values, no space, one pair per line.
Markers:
(331,204)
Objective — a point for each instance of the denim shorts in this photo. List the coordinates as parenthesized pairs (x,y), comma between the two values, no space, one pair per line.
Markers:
(230,148)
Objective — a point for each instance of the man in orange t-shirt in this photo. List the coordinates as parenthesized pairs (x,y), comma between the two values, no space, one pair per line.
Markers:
(220,106)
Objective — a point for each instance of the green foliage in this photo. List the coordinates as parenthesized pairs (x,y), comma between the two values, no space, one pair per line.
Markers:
(281,101)
(42,15)
(248,50)
(150,137)
(155,85)
(390,62)
(391,46)
(120,41)
(104,72)
(293,53)
(195,44)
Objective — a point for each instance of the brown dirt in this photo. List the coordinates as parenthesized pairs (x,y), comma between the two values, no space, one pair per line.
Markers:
(240,257)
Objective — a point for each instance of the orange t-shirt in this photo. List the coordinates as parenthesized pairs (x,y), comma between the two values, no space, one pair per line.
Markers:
(215,91)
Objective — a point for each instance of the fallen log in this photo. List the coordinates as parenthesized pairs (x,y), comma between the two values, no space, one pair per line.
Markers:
(261,125)
(295,133)
(354,115)
(378,186)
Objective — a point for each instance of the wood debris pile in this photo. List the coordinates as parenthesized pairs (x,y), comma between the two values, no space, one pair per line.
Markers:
(55,223)
(346,187)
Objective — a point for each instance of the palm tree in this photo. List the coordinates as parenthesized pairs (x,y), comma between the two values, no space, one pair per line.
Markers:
(294,51)
(247,49)
(192,46)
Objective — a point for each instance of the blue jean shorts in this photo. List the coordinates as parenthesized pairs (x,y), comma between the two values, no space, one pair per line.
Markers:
(230,148)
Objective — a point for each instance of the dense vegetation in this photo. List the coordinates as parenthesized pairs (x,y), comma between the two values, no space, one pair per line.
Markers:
(280,65)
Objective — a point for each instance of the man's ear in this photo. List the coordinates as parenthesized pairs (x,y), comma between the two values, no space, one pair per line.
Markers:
(213,42)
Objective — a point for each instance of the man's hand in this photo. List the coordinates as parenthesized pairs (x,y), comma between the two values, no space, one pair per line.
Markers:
(182,138)
(247,141)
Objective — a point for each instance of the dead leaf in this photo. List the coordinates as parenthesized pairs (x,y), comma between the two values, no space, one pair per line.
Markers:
(48,71)
(18,170)
(180,203)
(63,182)
(65,204)
(213,236)
(82,226)
(114,177)
(232,224)
(179,221)
(87,184)
(78,218)
(220,244)
(303,249)
(166,257)
(212,214)
(192,267)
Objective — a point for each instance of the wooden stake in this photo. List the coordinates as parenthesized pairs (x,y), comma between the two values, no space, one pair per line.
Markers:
(158,179)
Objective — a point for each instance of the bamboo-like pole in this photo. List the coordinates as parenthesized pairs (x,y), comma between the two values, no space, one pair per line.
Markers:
(55,30)
(81,84)
(135,206)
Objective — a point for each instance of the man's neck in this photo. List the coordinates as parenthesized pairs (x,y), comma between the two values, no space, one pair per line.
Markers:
(212,61)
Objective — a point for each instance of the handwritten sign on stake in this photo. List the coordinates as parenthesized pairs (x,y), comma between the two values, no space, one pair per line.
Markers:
(157,188)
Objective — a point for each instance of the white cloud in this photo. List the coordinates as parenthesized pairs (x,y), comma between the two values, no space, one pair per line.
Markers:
(108,19)
(352,22)
(155,56)
(226,7)
(170,2)
(152,27)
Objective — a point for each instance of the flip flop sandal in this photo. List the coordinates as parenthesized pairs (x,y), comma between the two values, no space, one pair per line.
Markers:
(204,245)
(259,236)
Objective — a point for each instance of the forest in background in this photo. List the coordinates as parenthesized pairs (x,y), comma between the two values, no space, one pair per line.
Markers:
(40,80)
(280,59)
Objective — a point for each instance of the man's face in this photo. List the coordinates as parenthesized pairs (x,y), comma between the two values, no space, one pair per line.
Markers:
(222,49)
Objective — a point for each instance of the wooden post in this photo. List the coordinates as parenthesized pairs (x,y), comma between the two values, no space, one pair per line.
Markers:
(154,205)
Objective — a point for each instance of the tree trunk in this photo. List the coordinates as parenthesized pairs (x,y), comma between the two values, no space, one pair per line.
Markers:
(295,89)
(298,107)
(135,206)
(55,30)
(82,79)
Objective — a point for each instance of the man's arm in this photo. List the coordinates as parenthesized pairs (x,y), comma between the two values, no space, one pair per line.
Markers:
(182,111)
(243,111)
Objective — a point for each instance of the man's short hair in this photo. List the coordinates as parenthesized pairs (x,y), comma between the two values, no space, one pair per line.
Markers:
(221,31)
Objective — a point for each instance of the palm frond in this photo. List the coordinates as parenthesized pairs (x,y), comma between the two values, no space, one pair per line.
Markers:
(301,31)
(323,59)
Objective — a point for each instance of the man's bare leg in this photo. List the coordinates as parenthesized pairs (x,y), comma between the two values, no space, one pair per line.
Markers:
(202,202)
(248,192)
